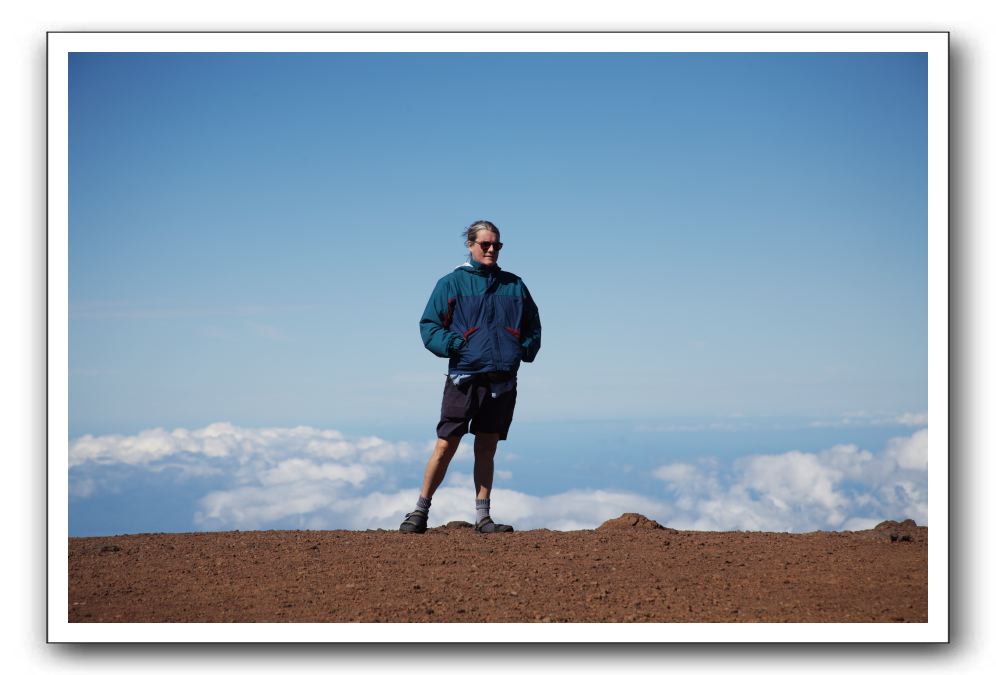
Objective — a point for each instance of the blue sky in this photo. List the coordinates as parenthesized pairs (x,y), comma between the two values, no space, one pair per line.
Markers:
(729,254)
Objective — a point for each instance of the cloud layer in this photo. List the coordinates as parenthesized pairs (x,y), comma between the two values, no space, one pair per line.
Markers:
(841,488)
(309,478)
(224,440)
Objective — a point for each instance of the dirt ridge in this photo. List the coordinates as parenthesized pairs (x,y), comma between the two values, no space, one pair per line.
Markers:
(629,569)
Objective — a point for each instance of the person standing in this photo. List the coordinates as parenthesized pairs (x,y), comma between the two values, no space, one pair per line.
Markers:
(483,319)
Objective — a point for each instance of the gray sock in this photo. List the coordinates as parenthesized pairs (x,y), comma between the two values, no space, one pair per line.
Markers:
(423,504)
(483,509)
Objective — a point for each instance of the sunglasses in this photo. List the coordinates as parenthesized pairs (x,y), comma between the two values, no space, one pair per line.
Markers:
(485,245)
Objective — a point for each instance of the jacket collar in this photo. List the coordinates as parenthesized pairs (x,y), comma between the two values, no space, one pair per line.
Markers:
(475,267)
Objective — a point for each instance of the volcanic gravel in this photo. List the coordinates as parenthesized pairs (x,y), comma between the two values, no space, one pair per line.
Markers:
(629,569)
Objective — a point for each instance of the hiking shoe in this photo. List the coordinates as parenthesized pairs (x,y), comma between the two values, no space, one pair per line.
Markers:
(488,526)
(415,522)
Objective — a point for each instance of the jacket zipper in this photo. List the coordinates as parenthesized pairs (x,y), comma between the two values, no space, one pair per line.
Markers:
(492,321)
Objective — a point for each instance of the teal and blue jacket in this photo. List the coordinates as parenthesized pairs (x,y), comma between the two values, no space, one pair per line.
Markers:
(483,319)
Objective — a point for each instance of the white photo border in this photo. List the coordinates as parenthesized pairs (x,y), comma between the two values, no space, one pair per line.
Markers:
(61,44)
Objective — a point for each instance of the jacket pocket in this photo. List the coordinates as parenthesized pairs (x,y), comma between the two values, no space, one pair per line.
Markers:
(511,350)
(470,354)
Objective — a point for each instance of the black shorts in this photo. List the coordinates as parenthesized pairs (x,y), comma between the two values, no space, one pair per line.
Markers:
(471,405)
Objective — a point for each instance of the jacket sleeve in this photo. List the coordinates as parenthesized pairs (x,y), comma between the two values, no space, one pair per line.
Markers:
(435,322)
(530,327)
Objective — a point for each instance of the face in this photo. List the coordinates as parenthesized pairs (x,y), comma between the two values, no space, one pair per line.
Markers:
(478,252)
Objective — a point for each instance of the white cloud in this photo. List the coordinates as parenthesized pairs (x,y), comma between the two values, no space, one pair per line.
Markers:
(298,470)
(252,461)
(574,509)
(186,470)
(909,453)
(571,510)
(677,474)
(459,479)
(377,450)
(792,478)
(912,419)
(843,487)
(223,439)
(253,507)
(863,418)
(303,477)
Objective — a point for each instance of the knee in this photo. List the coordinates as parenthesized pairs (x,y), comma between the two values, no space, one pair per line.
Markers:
(484,457)
(446,448)
(486,447)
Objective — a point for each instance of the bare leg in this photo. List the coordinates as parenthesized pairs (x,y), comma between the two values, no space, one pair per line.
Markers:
(485,446)
(435,470)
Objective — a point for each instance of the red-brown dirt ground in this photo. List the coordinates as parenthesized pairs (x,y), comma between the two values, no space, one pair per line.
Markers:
(628,569)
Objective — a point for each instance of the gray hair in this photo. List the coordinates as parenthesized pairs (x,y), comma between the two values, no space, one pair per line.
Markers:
(470,234)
